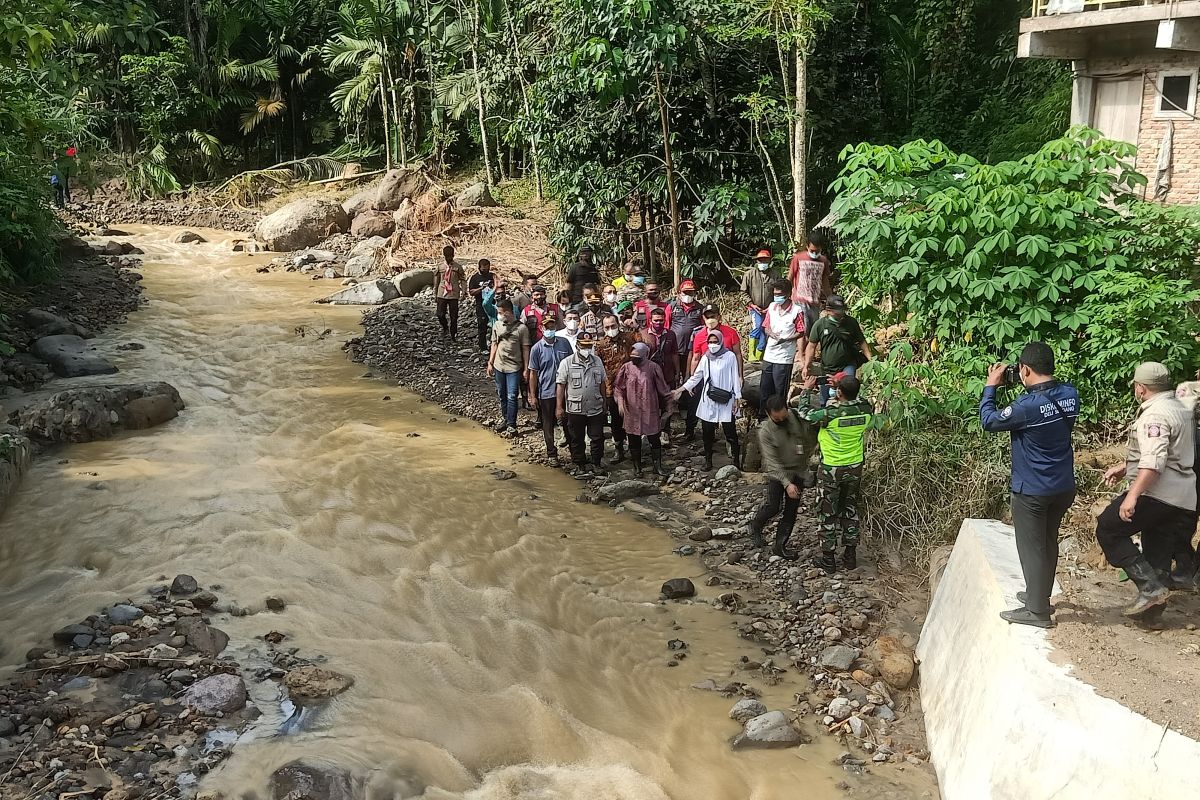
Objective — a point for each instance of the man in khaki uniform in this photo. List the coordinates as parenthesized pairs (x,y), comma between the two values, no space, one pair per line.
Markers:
(1161,498)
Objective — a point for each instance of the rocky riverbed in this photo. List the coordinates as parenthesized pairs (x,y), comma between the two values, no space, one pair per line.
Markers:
(141,699)
(837,630)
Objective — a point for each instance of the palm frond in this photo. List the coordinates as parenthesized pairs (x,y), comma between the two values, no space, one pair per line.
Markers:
(456,93)
(264,108)
(209,145)
(355,93)
(238,71)
(345,51)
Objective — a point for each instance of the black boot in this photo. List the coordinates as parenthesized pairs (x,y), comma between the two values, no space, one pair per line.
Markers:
(620,456)
(780,548)
(827,561)
(708,461)
(1151,592)
(756,537)
(737,456)
(658,465)
(849,557)
(637,466)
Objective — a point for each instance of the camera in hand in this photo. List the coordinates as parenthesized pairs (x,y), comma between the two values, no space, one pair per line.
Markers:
(1012,375)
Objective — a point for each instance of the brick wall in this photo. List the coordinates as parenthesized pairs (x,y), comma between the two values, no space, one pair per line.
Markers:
(1185,175)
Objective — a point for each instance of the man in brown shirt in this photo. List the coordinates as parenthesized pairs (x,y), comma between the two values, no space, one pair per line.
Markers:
(1161,498)
(615,349)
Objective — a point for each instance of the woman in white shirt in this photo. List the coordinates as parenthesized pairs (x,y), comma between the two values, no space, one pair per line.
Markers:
(720,390)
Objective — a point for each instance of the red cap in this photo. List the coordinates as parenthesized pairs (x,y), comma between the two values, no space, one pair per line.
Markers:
(764,253)
(688,285)
(837,377)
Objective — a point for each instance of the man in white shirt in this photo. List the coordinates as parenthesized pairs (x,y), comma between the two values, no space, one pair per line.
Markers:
(570,331)
(783,324)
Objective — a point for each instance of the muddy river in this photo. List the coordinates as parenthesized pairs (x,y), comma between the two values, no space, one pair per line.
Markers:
(506,640)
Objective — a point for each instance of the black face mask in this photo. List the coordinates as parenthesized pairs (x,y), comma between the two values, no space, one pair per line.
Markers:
(637,359)
(780,422)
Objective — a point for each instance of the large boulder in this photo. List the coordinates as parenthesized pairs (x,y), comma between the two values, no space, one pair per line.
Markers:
(203,637)
(97,412)
(303,780)
(357,267)
(44,323)
(373,223)
(772,729)
(360,201)
(678,588)
(475,196)
(894,658)
(371,293)
(412,281)
(218,694)
(301,224)
(188,237)
(368,247)
(397,185)
(70,356)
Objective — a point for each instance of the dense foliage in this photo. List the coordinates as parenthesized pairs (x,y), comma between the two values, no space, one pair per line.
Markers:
(977,259)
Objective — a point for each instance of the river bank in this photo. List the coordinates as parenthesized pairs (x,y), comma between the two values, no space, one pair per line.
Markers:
(850,634)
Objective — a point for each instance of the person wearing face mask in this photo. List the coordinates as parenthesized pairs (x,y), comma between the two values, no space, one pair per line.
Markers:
(664,350)
(614,348)
(523,296)
(534,314)
(1161,498)
(592,309)
(729,337)
(580,405)
(507,362)
(481,281)
(651,301)
(783,324)
(756,283)
(544,359)
(610,296)
(717,380)
(640,393)
(625,281)
(686,318)
(564,303)
(787,442)
(570,330)
(810,275)
(451,283)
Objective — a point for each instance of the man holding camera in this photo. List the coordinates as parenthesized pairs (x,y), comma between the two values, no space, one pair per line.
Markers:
(1043,469)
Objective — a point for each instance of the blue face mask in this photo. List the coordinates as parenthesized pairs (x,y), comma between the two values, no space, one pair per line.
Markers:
(779,299)
(549,334)
(638,280)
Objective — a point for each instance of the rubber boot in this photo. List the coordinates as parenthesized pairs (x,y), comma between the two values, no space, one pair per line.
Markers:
(1151,592)
(849,557)
(756,537)
(658,465)
(708,462)
(780,548)
(637,466)
(737,457)
(827,561)
(620,456)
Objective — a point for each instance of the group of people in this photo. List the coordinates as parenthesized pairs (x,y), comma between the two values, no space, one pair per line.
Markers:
(1159,503)
(621,361)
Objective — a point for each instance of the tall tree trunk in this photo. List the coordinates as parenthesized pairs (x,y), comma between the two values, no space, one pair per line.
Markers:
(385,114)
(435,110)
(676,259)
(483,132)
(397,127)
(800,149)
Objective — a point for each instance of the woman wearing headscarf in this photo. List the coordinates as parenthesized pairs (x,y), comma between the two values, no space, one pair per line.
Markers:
(640,393)
(720,388)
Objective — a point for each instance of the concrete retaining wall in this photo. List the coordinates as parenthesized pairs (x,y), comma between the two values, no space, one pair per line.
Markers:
(1005,722)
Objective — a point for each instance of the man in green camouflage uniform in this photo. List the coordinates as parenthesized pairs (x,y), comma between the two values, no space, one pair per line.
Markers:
(842,430)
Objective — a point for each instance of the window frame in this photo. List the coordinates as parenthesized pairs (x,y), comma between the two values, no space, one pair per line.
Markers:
(1160,96)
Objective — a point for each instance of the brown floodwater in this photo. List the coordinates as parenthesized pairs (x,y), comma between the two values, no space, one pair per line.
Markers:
(506,641)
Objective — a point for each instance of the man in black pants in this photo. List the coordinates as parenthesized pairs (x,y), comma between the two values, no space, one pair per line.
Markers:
(483,279)
(786,442)
(1043,471)
(581,404)
(1161,498)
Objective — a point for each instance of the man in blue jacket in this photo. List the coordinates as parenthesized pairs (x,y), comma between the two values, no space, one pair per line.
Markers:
(1043,471)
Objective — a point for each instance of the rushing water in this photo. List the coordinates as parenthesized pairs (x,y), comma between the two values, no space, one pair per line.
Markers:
(504,639)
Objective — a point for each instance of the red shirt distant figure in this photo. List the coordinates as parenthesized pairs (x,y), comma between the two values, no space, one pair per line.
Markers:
(651,301)
(809,273)
(71,152)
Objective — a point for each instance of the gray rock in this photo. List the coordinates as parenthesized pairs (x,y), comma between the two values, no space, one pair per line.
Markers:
(373,223)
(97,412)
(275,604)
(184,585)
(723,533)
(359,201)
(358,266)
(838,657)
(728,471)
(772,729)
(7,727)
(300,224)
(858,728)
(202,636)
(188,237)
(124,614)
(369,293)
(840,708)
(885,713)
(367,247)
(204,600)
(70,356)
(313,256)
(475,196)
(746,710)
(702,534)
(133,722)
(305,780)
(625,490)
(397,185)
(66,634)
(315,682)
(82,641)
(677,588)
(217,694)
(43,323)
(409,282)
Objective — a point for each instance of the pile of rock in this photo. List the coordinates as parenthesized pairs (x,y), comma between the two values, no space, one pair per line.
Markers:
(97,412)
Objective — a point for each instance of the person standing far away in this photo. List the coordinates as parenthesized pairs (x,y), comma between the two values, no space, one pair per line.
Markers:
(783,323)
(730,338)
(64,165)
(810,275)
(583,273)
(534,314)
(507,363)
(544,359)
(481,280)
(451,283)
(523,296)
(686,319)
(756,283)
(717,379)
(1160,502)
(840,337)
(1043,471)
(614,349)
(787,442)
(842,429)
(580,405)
(641,392)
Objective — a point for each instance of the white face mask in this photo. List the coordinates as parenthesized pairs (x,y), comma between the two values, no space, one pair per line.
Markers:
(611,333)
(585,352)
(686,298)
(572,324)
(714,347)
(610,298)
(764,266)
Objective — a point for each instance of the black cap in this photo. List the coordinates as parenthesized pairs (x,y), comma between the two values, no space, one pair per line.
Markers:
(835,303)
(710,309)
